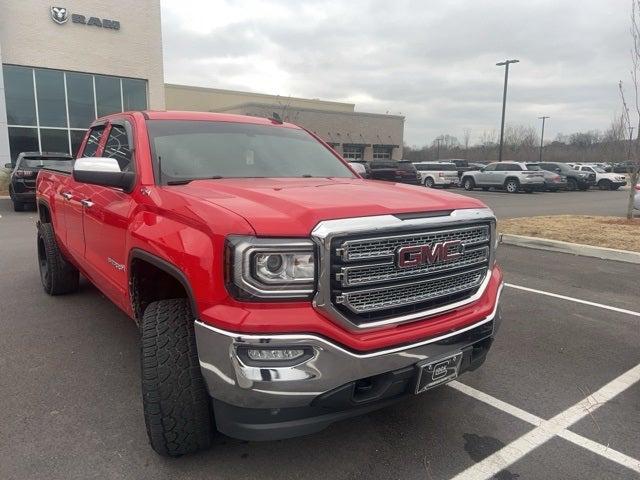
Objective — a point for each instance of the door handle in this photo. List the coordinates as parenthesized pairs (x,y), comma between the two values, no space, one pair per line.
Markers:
(67,195)
(86,203)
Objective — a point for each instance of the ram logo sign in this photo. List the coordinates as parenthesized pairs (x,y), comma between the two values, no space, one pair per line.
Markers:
(60,15)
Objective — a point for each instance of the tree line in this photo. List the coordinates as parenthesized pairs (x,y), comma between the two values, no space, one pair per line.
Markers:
(522,143)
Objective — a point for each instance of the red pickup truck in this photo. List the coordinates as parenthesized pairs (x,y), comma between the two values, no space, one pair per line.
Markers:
(276,291)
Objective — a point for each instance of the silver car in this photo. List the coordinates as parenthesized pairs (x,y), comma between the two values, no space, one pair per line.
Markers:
(511,176)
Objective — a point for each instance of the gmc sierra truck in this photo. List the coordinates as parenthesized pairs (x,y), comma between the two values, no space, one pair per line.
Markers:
(276,291)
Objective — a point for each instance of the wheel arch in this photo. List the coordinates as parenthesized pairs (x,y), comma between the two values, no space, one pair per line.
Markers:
(171,279)
(506,180)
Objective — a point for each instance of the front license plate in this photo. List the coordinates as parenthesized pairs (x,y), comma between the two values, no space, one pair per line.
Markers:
(438,372)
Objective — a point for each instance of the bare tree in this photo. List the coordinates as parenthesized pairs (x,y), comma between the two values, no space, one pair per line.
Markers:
(632,119)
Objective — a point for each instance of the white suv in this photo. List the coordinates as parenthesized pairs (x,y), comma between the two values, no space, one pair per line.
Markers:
(512,176)
(437,174)
(604,180)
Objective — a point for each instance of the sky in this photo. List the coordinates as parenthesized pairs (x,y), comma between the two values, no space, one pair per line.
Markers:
(432,61)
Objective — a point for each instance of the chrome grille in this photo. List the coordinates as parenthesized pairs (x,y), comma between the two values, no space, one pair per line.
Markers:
(409,293)
(368,285)
(363,249)
(367,274)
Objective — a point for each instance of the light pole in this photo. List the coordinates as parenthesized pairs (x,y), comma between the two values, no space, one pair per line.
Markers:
(504,101)
(543,118)
(438,140)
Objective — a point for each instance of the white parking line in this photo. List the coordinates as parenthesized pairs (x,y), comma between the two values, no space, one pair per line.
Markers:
(572,299)
(548,429)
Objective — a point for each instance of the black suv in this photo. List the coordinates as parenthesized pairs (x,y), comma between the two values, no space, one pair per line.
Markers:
(576,180)
(401,171)
(22,184)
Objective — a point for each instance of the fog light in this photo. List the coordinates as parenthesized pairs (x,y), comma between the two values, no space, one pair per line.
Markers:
(274,355)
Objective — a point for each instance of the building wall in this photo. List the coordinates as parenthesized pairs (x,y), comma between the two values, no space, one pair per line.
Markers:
(339,128)
(4,137)
(30,37)
(184,97)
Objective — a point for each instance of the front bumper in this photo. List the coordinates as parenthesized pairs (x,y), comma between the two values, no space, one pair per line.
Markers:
(278,402)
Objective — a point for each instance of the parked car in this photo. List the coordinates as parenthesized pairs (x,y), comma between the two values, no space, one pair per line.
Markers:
(22,179)
(395,171)
(604,180)
(576,180)
(623,167)
(461,164)
(437,174)
(257,266)
(362,168)
(553,181)
(512,176)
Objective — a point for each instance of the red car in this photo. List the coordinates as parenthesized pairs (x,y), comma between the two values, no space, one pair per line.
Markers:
(275,290)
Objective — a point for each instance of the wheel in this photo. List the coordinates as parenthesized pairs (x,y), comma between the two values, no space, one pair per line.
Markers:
(572,185)
(428,182)
(614,187)
(485,189)
(468,184)
(604,184)
(18,206)
(511,185)
(176,404)
(58,276)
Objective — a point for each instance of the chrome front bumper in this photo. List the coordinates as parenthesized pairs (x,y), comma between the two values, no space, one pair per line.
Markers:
(233,382)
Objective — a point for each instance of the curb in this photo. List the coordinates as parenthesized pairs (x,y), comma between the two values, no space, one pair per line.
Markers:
(572,248)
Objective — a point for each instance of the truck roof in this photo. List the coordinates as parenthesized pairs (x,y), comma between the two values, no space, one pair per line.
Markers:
(207,116)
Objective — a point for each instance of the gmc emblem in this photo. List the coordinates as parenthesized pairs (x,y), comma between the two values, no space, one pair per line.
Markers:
(407,257)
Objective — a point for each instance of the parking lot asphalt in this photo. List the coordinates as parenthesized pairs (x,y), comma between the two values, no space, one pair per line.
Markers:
(591,202)
(557,398)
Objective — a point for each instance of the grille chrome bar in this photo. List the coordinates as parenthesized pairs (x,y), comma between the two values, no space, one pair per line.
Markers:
(371,273)
(375,299)
(376,247)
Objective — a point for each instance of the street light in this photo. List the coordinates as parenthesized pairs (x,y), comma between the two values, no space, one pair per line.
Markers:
(543,118)
(504,101)
(438,140)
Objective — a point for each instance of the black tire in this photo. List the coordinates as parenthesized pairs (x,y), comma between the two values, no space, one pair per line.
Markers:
(512,185)
(604,184)
(18,206)
(177,409)
(428,182)
(572,184)
(468,184)
(58,276)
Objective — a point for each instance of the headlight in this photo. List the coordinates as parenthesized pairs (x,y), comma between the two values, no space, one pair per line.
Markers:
(277,268)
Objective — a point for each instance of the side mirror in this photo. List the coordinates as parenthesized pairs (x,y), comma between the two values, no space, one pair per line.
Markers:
(557,170)
(8,165)
(102,171)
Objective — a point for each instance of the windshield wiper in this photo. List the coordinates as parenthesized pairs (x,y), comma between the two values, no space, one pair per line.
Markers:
(189,180)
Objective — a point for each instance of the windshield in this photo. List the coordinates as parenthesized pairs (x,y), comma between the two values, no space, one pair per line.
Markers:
(201,149)
(598,169)
(45,162)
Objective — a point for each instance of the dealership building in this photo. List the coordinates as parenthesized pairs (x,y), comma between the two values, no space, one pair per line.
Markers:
(65,65)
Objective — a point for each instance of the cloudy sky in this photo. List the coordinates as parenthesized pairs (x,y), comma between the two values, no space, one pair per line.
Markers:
(431,61)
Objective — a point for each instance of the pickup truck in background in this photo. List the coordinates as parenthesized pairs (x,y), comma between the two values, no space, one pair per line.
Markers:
(275,290)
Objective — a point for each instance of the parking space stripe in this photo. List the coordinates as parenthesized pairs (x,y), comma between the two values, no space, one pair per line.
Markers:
(546,430)
(572,299)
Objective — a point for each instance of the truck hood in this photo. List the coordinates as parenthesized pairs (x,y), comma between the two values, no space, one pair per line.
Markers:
(293,207)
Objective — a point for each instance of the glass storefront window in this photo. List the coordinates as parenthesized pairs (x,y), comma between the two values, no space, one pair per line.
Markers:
(18,91)
(76,140)
(50,93)
(134,94)
(86,95)
(22,140)
(353,152)
(108,98)
(80,97)
(54,140)
(382,153)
